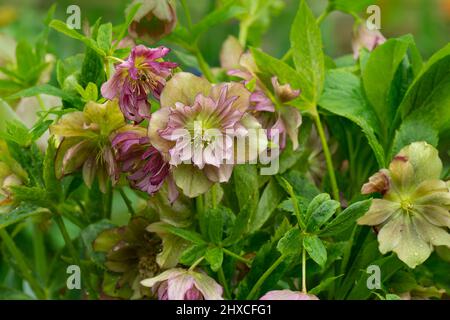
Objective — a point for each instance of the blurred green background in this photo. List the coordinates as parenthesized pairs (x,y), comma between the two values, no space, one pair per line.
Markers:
(427,20)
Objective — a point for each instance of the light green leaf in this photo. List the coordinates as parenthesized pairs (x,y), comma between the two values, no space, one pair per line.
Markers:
(6,114)
(322,214)
(315,248)
(183,233)
(104,37)
(19,214)
(290,243)
(323,285)
(343,96)
(46,89)
(214,256)
(270,198)
(306,43)
(378,77)
(350,6)
(346,219)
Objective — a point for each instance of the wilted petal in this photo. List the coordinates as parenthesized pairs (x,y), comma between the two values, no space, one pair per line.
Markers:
(379,182)
(284,92)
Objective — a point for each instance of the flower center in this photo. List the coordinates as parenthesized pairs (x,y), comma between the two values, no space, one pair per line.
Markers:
(406,205)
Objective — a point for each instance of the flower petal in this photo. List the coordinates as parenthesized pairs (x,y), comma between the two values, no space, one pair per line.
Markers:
(380,210)
(171,273)
(210,289)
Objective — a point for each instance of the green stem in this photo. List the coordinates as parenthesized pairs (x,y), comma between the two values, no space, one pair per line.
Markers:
(196,263)
(204,66)
(224,282)
(127,202)
(214,196)
(237,257)
(40,258)
(304,270)
(199,204)
(107,198)
(329,161)
(22,264)
(62,228)
(243,33)
(347,251)
(263,278)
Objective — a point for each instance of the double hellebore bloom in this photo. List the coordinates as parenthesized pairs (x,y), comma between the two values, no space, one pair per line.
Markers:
(86,142)
(146,167)
(141,74)
(196,129)
(273,113)
(287,295)
(153,20)
(413,215)
(181,284)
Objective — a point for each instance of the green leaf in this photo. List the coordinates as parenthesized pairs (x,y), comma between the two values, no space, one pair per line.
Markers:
(26,58)
(315,203)
(322,214)
(413,129)
(295,204)
(346,219)
(269,66)
(378,77)
(193,253)
(16,132)
(47,89)
(290,243)
(30,159)
(19,214)
(63,28)
(215,221)
(92,69)
(34,195)
(323,285)
(218,16)
(7,293)
(306,43)
(214,256)
(241,225)
(344,97)
(315,248)
(104,37)
(183,233)
(245,179)
(270,198)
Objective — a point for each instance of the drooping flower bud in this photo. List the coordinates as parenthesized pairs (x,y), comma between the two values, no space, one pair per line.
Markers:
(365,38)
(153,20)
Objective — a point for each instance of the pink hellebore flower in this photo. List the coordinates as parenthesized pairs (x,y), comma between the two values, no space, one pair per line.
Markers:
(196,129)
(146,166)
(181,284)
(142,73)
(287,295)
(365,38)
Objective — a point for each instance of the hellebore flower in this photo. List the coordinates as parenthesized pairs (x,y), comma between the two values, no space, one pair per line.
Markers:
(141,74)
(413,215)
(153,20)
(196,129)
(287,295)
(141,160)
(86,142)
(272,115)
(131,252)
(181,284)
(365,38)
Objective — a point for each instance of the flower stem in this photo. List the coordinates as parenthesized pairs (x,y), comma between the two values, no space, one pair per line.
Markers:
(62,228)
(223,280)
(329,161)
(237,257)
(22,264)
(304,270)
(243,33)
(127,202)
(196,263)
(204,67)
(263,278)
